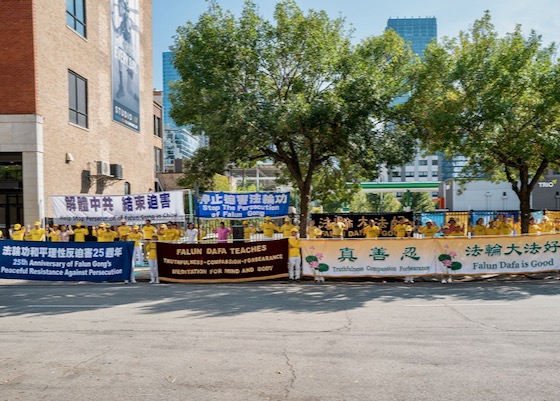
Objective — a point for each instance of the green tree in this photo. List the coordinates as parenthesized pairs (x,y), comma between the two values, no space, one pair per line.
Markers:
(495,100)
(422,202)
(295,91)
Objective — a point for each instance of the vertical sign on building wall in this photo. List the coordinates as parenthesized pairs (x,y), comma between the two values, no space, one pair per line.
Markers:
(125,62)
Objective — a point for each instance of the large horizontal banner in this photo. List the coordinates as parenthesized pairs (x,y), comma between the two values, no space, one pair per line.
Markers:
(70,261)
(355,223)
(263,260)
(225,205)
(159,207)
(418,257)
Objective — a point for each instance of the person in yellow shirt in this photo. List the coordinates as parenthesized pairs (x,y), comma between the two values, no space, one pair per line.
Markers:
(546,225)
(247,231)
(165,233)
(313,231)
(148,230)
(479,228)
(123,230)
(429,230)
(458,231)
(534,228)
(506,226)
(287,227)
(104,233)
(372,230)
(400,228)
(294,255)
(491,229)
(17,233)
(37,233)
(338,227)
(151,249)
(177,232)
(136,236)
(80,232)
(54,233)
(268,228)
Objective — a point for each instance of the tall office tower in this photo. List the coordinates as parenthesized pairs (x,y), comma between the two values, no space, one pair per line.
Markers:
(178,141)
(76,111)
(419,32)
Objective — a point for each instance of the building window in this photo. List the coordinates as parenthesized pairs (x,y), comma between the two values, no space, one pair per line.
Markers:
(434,162)
(409,174)
(157,160)
(434,173)
(157,126)
(422,162)
(422,174)
(76,15)
(127,190)
(77,98)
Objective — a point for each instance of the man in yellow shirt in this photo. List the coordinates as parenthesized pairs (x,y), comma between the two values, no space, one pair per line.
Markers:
(17,233)
(429,230)
(37,233)
(54,233)
(268,228)
(123,230)
(137,237)
(287,227)
(247,231)
(148,230)
(372,230)
(151,249)
(400,228)
(294,255)
(491,230)
(313,231)
(104,233)
(80,233)
(338,227)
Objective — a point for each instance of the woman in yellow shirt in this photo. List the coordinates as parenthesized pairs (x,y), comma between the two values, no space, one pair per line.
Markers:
(151,249)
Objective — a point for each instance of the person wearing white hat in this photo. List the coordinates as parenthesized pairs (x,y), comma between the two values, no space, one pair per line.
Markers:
(123,230)
(37,233)
(268,228)
(286,228)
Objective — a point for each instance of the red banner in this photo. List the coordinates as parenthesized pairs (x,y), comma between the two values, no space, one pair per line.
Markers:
(208,263)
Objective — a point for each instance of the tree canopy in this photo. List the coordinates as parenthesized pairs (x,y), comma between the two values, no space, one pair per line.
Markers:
(295,91)
(494,100)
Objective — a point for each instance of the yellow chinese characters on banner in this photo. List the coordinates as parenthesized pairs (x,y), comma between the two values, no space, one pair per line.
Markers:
(419,257)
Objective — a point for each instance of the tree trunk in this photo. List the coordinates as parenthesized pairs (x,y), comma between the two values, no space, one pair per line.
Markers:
(305,200)
(525,206)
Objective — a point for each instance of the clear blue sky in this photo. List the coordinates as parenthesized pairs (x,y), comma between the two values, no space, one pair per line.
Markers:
(369,17)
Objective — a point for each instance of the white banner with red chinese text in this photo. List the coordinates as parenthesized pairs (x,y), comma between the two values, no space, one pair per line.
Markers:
(159,207)
(423,257)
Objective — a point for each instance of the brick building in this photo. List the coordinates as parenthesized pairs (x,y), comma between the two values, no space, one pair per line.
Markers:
(76,102)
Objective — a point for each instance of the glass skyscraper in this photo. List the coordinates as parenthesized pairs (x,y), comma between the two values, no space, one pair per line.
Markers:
(418,31)
(178,142)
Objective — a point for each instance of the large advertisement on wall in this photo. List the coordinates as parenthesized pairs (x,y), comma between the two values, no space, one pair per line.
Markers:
(125,47)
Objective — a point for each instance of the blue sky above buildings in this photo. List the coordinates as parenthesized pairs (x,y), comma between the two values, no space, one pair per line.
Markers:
(370,17)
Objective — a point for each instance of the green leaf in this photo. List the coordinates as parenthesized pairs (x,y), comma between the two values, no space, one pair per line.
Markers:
(323,267)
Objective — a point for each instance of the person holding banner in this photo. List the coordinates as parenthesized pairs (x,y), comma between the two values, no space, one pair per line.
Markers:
(80,232)
(151,249)
(17,233)
(294,256)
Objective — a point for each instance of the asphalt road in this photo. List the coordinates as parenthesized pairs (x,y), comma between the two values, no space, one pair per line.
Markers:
(280,341)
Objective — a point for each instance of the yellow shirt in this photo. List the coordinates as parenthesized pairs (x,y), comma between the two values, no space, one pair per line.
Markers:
(400,230)
(247,231)
(286,229)
(547,227)
(268,229)
(478,230)
(313,232)
(506,228)
(151,250)
(80,234)
(148,231)
(372,231)
(429,232)
(136,237)
(54,235)
(123,231)
(37,234)
(337,229)
(17,235)
(534,228)
(491,231)
(294,247)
